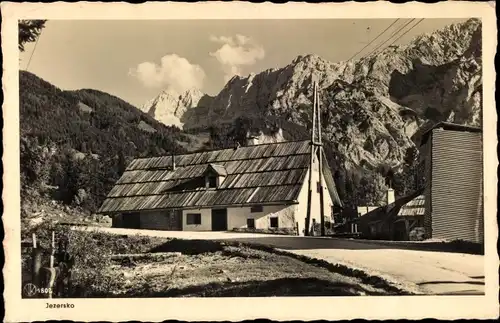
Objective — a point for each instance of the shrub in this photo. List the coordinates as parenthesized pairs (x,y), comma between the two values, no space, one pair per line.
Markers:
(91,274)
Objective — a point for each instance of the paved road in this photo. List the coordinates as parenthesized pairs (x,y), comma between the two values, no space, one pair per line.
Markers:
(426,272)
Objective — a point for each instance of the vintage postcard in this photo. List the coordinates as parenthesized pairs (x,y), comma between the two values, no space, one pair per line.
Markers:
(233,161)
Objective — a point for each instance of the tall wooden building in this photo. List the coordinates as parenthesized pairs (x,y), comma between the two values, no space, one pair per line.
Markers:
(452,172)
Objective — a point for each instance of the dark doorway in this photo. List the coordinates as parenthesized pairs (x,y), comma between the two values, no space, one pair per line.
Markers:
(219,219)
(132,220)
(400,233)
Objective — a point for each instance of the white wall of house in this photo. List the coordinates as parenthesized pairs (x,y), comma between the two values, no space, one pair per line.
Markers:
(301,212)
(206,220)
(238,216)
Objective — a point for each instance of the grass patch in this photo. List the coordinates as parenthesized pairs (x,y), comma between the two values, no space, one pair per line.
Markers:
(109,265)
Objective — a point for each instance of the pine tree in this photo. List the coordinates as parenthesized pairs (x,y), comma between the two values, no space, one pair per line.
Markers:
(29,31)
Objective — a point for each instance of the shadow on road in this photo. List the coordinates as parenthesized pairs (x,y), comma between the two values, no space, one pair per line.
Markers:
(189,247)
(306,243)
(468,292)
(296,243)
(470,282)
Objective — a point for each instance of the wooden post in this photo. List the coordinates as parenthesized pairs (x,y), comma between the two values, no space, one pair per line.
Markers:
(311,162)
(52,251)
(36,263)
(320,164)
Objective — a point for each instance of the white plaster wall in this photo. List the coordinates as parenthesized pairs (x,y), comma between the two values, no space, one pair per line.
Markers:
(206,220)
(301,212)
(237,216)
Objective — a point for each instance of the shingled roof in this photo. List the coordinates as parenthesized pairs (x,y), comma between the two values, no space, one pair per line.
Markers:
(400,207)
(261,174)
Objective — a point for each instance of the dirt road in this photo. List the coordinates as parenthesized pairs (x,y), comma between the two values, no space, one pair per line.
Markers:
(426,272)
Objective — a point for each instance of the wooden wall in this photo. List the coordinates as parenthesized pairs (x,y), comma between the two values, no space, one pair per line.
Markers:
(456,186)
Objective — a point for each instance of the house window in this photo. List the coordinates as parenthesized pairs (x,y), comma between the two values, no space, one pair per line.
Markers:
(193,218)
(318,187)
(274,222)
(257,209)
(251,223)
(212,182)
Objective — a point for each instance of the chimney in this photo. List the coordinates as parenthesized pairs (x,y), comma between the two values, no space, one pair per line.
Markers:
(173,161)
(390,196)
(252,140)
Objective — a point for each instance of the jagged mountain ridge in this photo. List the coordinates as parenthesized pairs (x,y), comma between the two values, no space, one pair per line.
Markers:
(365,102)
(169,106)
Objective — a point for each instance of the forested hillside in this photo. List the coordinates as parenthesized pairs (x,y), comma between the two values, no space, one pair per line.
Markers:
(75,144)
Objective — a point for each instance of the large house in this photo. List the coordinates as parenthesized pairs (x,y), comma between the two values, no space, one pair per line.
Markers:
(448,201)
(258,186)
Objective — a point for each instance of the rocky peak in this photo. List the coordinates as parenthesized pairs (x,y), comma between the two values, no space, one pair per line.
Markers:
(170,106)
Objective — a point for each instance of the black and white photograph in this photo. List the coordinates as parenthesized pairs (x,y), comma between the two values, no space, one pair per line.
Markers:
(252,158)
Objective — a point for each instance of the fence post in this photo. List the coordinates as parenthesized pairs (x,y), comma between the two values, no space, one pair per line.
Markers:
(36,263)
(52,251)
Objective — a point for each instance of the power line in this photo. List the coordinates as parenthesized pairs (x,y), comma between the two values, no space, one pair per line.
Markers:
(415,25)
(34,48)
(394,34)
(373,39)
(390,37)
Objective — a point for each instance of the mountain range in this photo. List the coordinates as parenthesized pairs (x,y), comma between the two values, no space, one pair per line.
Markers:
(371,106)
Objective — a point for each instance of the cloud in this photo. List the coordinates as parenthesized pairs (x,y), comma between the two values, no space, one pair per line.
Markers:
(235,53)
(174,72)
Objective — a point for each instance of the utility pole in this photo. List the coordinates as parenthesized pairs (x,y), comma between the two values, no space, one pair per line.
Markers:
(311,163)
(320,171)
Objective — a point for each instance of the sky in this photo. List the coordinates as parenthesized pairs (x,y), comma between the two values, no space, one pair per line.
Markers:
(137,59)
